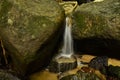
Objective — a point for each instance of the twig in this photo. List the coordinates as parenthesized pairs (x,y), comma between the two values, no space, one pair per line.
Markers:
(4,54)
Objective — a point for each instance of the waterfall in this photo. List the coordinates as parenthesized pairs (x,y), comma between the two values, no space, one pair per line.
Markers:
(67,49)
(65,61)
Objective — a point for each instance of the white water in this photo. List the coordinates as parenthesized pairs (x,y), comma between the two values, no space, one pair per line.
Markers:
(67,49)
(98,0)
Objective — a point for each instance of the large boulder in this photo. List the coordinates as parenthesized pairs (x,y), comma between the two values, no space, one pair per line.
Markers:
(97,27)
(30,30)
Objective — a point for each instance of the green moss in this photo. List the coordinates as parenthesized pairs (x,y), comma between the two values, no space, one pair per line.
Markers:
(5,7)
(80,18)
(39,24)
(89,25)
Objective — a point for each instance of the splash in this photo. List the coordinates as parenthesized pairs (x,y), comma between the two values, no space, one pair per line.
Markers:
(67,49)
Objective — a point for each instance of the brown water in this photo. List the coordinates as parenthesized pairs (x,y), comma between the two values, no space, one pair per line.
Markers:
(46,75)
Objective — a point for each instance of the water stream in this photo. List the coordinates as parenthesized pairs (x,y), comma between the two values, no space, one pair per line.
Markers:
(67,49)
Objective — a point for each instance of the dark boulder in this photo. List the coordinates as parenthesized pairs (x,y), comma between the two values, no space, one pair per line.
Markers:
(99,63)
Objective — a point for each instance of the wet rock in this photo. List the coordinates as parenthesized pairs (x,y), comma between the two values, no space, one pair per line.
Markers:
(4,75)
(96,27)
(81,76)
(99,63)
(62,64)
(113,72)
(30,30)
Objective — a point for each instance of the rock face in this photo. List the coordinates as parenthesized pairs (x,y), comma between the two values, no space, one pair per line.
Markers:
(97,25)
(30,30)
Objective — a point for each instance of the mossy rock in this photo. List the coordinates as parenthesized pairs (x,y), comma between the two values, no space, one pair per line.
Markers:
(97,19)
(96,27)
(30,30)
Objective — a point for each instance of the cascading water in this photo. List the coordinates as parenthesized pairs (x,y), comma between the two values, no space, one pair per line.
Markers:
(65,61)
(67,49)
